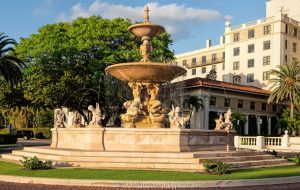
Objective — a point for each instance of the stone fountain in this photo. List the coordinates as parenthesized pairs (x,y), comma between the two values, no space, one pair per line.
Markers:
(145,78)
(144,142)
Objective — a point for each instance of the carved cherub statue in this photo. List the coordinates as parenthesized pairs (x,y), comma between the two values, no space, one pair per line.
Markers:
(219,122)
(145,50)
(176,121)
(96,116)
(59,118)
(76,121)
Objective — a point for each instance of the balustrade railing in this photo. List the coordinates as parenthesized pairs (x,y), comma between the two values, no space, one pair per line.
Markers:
(248,141)
(273,141)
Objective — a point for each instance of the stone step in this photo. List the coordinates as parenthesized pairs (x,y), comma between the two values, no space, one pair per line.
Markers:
(120,165)
(72,152)
(245,164)
(227,154)
(106,158)
(239,158)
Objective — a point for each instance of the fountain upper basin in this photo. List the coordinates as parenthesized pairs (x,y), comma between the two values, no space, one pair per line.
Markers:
(148,29)
(145,72)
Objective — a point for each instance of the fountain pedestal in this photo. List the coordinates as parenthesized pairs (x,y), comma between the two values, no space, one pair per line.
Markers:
(141,140)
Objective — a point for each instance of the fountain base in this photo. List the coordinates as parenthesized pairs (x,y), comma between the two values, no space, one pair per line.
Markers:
(142,139)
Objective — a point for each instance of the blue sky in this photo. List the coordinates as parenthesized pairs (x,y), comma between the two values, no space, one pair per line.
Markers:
(190,22)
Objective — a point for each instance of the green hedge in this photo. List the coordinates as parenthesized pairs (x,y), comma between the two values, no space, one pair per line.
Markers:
(42,133)
(8,139)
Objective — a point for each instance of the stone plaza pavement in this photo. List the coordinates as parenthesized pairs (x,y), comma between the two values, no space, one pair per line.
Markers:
(19,186)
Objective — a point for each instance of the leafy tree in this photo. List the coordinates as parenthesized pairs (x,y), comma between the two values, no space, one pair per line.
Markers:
(66,62)
(10,64)
(284,122)
(286,85)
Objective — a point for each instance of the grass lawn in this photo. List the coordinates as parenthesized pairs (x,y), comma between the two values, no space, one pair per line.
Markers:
(7,168)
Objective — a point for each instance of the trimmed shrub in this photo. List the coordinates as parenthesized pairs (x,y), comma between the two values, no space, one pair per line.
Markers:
(42,133)
(4,131)
(216,167)
(36,164)
(8,139)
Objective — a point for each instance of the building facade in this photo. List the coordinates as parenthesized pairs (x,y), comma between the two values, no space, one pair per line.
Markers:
(243,60)
(248,52)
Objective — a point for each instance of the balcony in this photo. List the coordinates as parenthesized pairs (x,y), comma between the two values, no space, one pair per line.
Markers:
(207,62)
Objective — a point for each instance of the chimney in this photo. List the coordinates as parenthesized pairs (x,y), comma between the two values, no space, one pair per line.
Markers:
(208,43)
(222,40)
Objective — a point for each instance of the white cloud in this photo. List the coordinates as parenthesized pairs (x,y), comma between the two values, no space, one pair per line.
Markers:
(44,9)
(176,18)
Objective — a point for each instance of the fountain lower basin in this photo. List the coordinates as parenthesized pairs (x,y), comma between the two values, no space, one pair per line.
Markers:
(151,72)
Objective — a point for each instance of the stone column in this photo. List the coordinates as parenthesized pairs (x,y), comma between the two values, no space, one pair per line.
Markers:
(258,124)
(269,125)
(260,142)
(246,125)
(206,111)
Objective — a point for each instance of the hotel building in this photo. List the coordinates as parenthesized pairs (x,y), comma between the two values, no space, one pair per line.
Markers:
(243,60)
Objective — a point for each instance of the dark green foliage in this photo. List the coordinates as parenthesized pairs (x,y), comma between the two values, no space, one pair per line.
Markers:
(66,62)
(216,167)
(272,152)
(8,139)
(238,120)
(10,64)
(36,164)
(42,133)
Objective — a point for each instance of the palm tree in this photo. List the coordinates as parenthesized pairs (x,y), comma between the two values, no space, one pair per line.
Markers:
(10,65)
(285,85)
(193,102)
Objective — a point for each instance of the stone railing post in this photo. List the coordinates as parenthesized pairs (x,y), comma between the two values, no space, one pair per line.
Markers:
(285,140)
(260,142)
(237,141)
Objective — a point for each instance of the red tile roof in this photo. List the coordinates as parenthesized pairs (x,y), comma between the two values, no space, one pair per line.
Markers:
(203,82)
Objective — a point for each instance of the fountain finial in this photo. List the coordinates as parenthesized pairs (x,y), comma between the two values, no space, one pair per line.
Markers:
(146,15)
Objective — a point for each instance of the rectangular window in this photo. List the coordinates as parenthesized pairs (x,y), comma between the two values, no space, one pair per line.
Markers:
(250,63)
(214,57)
(193,71)
(226,102)
(294,47)
(175,63)
(184,63)
(267,29)
(251,33)
(194,61)
(266,75)
(203,70)
(252,105)
(285,59)
(223,66)
(236,37)
(236,51)
(236,65)
(266,60)
(286,44)
(224,55)
(223,77)
(250,78)
(251,48)
(212,101)
(267,45)
(286,28)
(214,67)
(240,104)
(203,59)
(263,107)
(295,32)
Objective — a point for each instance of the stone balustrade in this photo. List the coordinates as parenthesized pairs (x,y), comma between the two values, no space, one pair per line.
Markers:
(260,142)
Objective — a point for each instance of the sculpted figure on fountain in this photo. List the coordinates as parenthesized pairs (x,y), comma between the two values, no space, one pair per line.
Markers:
(224,125)
(59,118)
(177,121)
(96,117)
